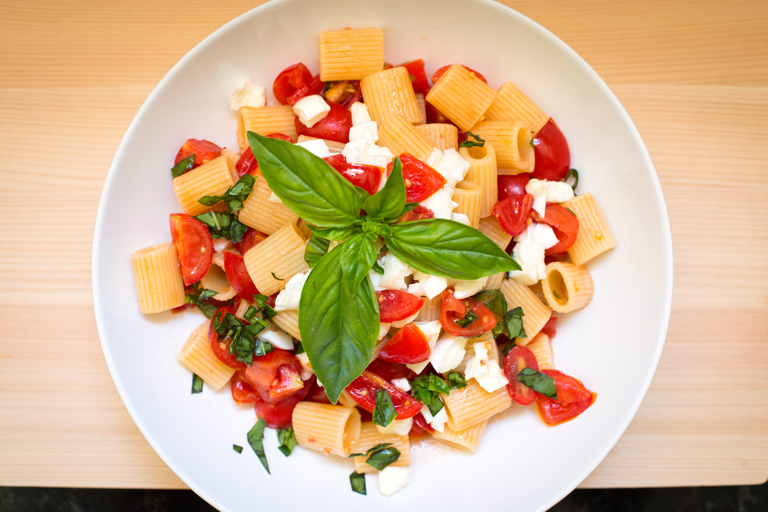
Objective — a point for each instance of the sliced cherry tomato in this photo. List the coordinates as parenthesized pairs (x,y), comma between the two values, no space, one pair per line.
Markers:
(517,359)
(280,414)
(273,384)
(317,394)
(453,309)
(204,151)
(390,371)
(436,76)
(421,180)
(563,223)
(247,163)
(397,305)
(334,126)
(513,213)
(194,245)
(364,176)
(407,346)
(435,116)
(221,348)
(363,391)
(550,328)
(292,84)
(316,86)
(345,93)
(238,276)
(553,158)
(418,213)
(511,185)
(418,76)
(572,399)
(420,427)
(242,392)
(250,238)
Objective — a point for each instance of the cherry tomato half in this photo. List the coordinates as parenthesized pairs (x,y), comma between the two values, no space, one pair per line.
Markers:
(317,394)
(436,76)
(550,328)
(242,392)
(250,238)
(572,399)
(194,245)
(421,180)
(345,93)
(275,375)
(517,359)
(453,309)
(420,427)
(418,213)
(513,213)
(390,371)
(204,151)
(407,346)
(363,391)
(553,158)
(512,184)
(221,348)
(364,176)
(247,163)
(418,76)
(280,414)
(563,223)
(238,276)
(334,126)
(292,84)
(397,305)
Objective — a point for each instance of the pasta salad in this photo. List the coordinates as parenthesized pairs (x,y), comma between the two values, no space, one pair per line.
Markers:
(380,259)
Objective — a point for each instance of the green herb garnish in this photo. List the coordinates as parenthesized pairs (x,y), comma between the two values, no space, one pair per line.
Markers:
(384,412)
(539,382)
(198,297)
(256,440)
(456,380)
(472,143)
(357,481)
(287,440)
(427,389)
(316,248)
(468,319)
(223,225)
(234,196)
(183,166)
(197,384)
(572,173)
(237,448)
(275,277)
(244,344)
(380,456)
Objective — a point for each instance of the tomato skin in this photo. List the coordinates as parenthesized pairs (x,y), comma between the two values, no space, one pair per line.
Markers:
(250,238)
(334,126)
(221,348)
(317,394)
(247,163)
(363,391)
(280,414)
(512,185)
(194,246)
(436,76)
(572,399)
(418,76)
(418,213)
(238,276)
(345,93)
(242,392)
(292,84)
(407,346)
(420,427)
(550,328)
(563,223)
(435,116)
(390,371)
(513,213)
(397,305)
(553,158)
(516,360)
(364,176)
(453,309)
(421,180)
(204,151)
(272,384)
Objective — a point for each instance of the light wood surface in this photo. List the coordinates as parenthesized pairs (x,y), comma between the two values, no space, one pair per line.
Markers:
(692,74)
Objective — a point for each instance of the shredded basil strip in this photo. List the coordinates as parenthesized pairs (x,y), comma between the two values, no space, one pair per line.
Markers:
(237,448)
(197,384)
(494,299)
(244,344)
(382,458)
(467,320)
(256,440)
(234,196)
(513,321)
(508,347)
(539,382)
(456,380)
(384,413)
(275,277)
(427,389)
(198,297)
(472,143)
(357,481)
(378,447)
(572,173)
(183,166)
(223,225)
(287,440)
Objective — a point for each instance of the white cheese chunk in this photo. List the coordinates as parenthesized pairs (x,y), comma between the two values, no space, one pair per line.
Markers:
(290,296)
(434,158)
(529,253)
(460,217)
(463,289)
(317,147)
(361,151)
(311,109)
(359,113)
(432,285)
(544,191)
(395,272)
(402,384)
(437,421)
(219,244)
(375,280)
(448,353)
(484,370)
(383,330)
(398,427)
(306,368)
(405,321)
(453,167)
(247,94)
(276,337)
(417,289)
(392,479)
(367,131)
(441,203)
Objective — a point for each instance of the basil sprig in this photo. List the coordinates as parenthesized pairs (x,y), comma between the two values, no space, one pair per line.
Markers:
(539,382)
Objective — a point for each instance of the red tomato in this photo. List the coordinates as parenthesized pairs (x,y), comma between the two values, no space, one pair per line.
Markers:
(439,73)
(194,245)
(250,238)
(420,427)
(389,371)
(407,346)
(238,276)
(418,213)
(572,399)
(513,213)
(435,116)
(517,359)
(363,391)
(268,379)
(334,126)
(345,93)
(279,415)
(512,184)
(247,163)
(553,158)
(204,151)
(418,76)
(563,223)
(316,86)
(242,392)
(292,84)
(453,309)
(221,348)
(550,328)
(317,394)
(364,176)
(421,180)
(396,305)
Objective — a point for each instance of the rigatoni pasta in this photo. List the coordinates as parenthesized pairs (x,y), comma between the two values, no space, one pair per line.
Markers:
(390,92)
(159,285)
(212,178)
(264,121)
(331,429)
(198,357)
(511,142)
(512,105)
(594,237)
(274,261)
(351,54)
(461,96)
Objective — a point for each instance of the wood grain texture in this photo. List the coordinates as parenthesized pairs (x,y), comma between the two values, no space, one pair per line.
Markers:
(692,74)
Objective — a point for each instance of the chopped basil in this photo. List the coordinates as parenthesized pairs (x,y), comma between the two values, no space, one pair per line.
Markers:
(468,319)
(199,297)
(223,225)
(384,412)
(471,143)
(572,212)
(494,299)
(256,440)
(513,321)
(287,440)
(197,384)
(556,295)
(243,342)
(572,173)
(237,448)
(456,380)
(298,347)
(233,197)
(378,447)
(183,166)
(383,458)
(274,276)
(377,268)
(357,481)
(509,346)
(427,388)
(267,311)
(539,382)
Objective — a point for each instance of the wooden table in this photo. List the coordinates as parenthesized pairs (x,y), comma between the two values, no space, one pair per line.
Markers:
(693,75)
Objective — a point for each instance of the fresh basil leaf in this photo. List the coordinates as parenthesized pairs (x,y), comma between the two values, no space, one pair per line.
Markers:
(539,382)
(197,384)
(237,448)
(338,330)
(256,440)
(307,184)
(508,347)
(335,234)
(375,229)
(378,268)
(223,225)
(183,166)
(572,173)
(427,389)
(357,257)
(207,294)
(267,311)
(456,380)
(243,343)
(208,309)
(513,321)
(298,347)
(357,481)
(234,196)
(408,207)
(468,319)
(376,448)
(388,203)
(471,143)
(383,458)
(316,248)
(494,299)
(287,440)
(448,249)
(384,412)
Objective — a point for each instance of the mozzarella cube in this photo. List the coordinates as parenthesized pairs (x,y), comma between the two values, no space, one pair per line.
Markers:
(392,479)
(383,330)
(441,203)
(432,285)
(359,113)
(463,289)
(398,427)
(437,421)
(493,379)
(529,253)
(544,192)
(417,289)
(367,131)
(247,94)
(403,385)
(317,147)
(448,353)
(460,217)
(290,297)
(395,272)
(484,370)
(276,337)
(453,167)
(375,280)
(311,109)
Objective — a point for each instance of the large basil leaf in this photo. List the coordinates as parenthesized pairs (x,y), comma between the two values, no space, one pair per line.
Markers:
(388,203)
(357,257)
(448,249)
(338,330)
(335,234)
(316,248)
(305,183)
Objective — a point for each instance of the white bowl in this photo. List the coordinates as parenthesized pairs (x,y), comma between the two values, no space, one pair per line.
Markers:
(613,346)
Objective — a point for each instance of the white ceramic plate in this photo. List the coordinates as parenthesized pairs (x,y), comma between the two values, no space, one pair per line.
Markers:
(613,345)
